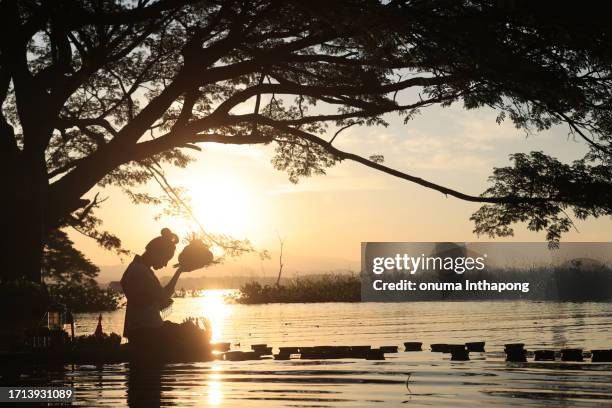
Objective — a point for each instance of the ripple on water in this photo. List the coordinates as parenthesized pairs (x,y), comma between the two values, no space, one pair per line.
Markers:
(417,379)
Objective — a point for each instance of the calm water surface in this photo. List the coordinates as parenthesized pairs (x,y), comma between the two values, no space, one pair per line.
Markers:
(414,379)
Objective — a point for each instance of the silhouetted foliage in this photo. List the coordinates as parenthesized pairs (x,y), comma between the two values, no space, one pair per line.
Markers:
(85,297)
(99,93)
(22,301)
(63,263)
(327,288)
(70,277)
(583,188)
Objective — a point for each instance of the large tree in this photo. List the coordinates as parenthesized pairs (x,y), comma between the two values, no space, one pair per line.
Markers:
(98,93)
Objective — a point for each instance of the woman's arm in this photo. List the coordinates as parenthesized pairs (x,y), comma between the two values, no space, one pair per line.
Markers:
(169,288)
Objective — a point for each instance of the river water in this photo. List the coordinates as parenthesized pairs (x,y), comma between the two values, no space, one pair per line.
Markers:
(415,378)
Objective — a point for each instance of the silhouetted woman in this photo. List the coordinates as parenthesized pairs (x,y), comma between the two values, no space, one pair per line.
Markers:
(146,297)
(150,337)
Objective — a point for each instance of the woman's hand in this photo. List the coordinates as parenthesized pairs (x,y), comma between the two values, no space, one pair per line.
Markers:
(169,288)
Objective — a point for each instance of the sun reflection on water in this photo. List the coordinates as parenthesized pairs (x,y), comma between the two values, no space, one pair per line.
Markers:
(213,307)
(215,392)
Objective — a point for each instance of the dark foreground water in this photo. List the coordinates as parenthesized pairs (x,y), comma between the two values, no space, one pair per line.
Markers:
(414,379)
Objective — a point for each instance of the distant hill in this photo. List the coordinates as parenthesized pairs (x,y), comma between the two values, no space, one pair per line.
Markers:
(220,282)
(249,266)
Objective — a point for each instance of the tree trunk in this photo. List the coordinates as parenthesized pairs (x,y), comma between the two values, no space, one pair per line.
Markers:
(280,260)
(24,222)
(23,246)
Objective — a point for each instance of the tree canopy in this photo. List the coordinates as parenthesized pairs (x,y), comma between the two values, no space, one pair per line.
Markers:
(98,93)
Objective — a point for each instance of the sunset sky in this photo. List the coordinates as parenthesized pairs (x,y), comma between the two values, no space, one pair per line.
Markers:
(323,219)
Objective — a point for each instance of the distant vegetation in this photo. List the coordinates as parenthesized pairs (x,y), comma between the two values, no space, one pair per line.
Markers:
(32,299)
(86,298)
(322,288)
(579,280)
(21,301)
(70,277)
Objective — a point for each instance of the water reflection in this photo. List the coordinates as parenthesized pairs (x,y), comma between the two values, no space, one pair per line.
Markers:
(212,306)
(485,381)
(144,385)
(215,392)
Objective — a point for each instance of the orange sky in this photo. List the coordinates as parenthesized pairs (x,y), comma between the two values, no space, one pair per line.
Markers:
(323,219)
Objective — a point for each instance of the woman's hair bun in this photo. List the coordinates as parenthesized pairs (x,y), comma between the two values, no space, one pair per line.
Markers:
(169,235)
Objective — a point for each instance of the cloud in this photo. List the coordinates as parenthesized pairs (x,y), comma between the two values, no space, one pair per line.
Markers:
(345,181)
(453,139)
(244,151)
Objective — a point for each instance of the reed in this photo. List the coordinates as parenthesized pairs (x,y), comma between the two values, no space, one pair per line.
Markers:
(326,288)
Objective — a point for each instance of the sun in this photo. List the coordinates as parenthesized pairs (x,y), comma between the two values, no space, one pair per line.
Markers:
(224,205)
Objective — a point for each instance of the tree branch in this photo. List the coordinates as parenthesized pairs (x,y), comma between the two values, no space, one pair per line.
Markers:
(291,88)
(342,155)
